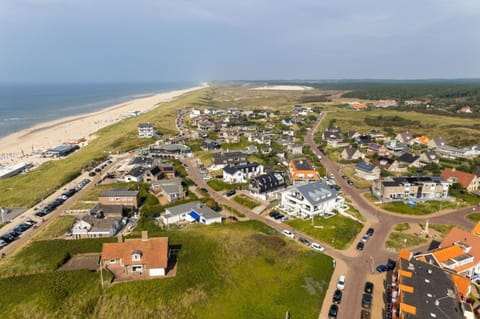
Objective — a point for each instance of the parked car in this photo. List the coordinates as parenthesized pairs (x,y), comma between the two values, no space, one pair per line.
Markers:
(204,190)
(317,247)
(288,233)
(391,264)
(233,218)
(367,301)
(3,243)
(368,287)
(365,314)
(304,241)
(333,312)
(91,174)
(230,192)
(273,213)
(365,238)
(337,296)
(370,231)
(279,216)
(382,268)
(360,245)
(341,282)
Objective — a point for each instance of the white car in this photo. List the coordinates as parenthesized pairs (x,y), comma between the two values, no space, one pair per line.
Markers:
(317,247)
(341,282)
(288,233)
(365,238)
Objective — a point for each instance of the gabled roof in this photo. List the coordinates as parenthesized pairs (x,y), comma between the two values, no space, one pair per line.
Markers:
(383,162)
(465,179)
(350,151)
(268,182)
(154,251)
(196,206)
(315,193)
(408,158)
(301,165)
(243,168)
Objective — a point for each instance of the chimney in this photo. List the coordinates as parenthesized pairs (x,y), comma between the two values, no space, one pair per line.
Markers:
(144,235)
(120,238)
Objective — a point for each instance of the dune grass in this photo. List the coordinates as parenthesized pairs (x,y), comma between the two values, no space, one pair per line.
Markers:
(338,231)
(213,263)
(56,228)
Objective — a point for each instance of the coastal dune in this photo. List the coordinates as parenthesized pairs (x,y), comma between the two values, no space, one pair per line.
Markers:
(25,145)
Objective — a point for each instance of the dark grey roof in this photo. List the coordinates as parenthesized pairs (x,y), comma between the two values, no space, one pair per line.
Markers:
(119,192)
(412,180)
(145,125)
(169,185)
(350,151)
(434,291)
(408,158)
(383,162)
(302,165)
(229,157)
(107,209)
(315,193)
(136,171)
(243,167)
(268,182)
(144,161)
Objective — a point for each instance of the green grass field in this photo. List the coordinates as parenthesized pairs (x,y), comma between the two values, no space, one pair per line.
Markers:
(398,240)
(56,228)
(213,263)
(245,201)
(337,231)
(422,208)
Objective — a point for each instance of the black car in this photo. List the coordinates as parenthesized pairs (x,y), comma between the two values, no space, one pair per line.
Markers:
(337,296)
(333,312)
(360,246)
(370,231)
(368,287)
(391,264)
(273,213)
(91,174)
(230,192)
(40,213)
(304,241)
(204,190)
(7,238)
(367,301)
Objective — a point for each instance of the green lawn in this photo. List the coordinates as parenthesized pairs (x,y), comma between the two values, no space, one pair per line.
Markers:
(338,231)
(474,217)
(245,201)
(213,264)
(422,208)
(398,240)
(56,228)
(220,185)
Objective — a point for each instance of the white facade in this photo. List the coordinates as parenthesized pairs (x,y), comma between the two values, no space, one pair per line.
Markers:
(241,173)
(312,199)
(146,130)
(156,272)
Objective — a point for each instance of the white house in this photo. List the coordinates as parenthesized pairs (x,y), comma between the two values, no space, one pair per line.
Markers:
(146,130)
(241,173)
(311,199)
(191,212)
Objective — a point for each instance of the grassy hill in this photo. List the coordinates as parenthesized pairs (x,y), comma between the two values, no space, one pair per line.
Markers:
(237,270)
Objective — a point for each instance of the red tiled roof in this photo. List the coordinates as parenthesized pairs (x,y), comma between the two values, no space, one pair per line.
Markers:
(154,251)
(465,179)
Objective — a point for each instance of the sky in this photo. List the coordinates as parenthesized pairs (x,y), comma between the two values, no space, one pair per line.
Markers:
(50,41)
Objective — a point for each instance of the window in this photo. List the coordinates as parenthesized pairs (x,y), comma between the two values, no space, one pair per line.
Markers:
(112,261)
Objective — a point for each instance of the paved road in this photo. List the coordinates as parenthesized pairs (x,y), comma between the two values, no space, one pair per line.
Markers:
(359,264)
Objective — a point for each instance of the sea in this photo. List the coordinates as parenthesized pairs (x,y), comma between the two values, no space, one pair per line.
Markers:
(24,105)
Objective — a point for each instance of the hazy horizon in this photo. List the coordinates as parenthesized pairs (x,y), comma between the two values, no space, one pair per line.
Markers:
(73,41)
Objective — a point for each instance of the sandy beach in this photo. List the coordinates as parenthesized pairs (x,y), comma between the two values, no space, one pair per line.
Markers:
(24,145)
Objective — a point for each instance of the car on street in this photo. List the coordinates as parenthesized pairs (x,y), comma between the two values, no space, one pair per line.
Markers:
(337,296)
(365,238)
(288,233)
(317,247)
(365,314)
(230,192)
(233,218)
(341,282)
(3,243)
(360,245)
(391,264)
(304,241)
(204,190)
(367,301)
(333,311)
(382,268)
(368,287)
(370,231)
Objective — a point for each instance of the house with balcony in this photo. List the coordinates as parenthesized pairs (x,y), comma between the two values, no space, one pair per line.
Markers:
(310,199)
(411,188)
(468,181)
(146,130)
(120,196)
(267,186)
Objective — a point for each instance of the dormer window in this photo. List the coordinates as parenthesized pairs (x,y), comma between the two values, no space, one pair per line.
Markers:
(137,255)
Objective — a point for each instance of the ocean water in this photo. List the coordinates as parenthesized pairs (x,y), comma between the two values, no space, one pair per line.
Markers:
(24,105)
